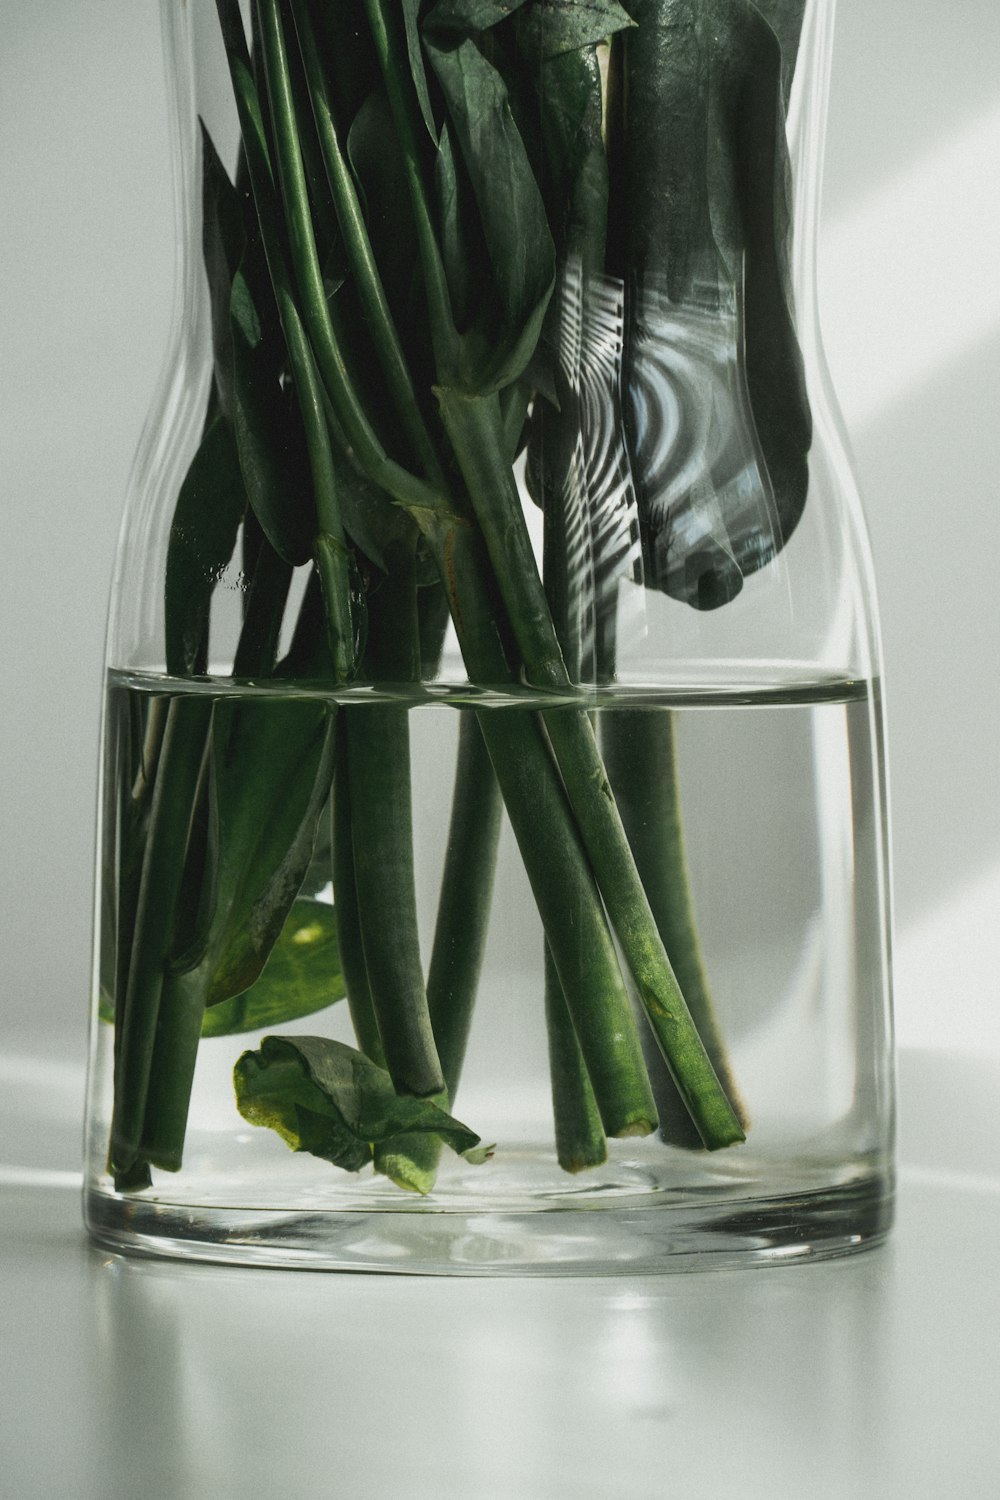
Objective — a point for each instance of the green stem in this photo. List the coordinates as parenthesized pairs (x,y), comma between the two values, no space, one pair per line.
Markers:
(368,451)
(641,758)
(136,754)
(558,870)
(388,347)
(331,556)
(465,899)
(569,903)
(396,73)
(379,759)
(635,926)
(474,426)
(580,1141)
(257,647)
(575,184)
(175,1052)
(345,909)
(173,807)
(459,942)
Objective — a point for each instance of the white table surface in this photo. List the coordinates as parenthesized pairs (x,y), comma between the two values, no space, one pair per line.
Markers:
(877,1375)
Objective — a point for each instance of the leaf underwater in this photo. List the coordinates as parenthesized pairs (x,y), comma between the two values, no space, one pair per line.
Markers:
(270,777)
(301,976)
(328,1099)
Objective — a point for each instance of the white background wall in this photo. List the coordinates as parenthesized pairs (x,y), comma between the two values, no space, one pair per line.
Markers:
(910,295)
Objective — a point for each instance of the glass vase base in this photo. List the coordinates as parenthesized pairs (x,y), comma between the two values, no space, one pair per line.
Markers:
(687,1233)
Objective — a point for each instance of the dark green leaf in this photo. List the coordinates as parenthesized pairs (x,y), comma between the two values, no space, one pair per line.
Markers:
(371,520)
(546,28)
(470,15)
(301,976)
(411,13)
(319,875)
(223,243)
(511,214)
(460,259)
(268,434)
(785,19)
(271,764)
(380,173)
(575,171)
(704,218)
(267,580)
(202,537)
(347,55)
(330,1100)
(575,186)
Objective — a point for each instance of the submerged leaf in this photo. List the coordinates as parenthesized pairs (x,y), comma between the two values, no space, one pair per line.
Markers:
(301,976)
(271,770)
(326,1098)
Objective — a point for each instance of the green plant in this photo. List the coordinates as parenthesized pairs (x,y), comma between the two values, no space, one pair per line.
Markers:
(419,188)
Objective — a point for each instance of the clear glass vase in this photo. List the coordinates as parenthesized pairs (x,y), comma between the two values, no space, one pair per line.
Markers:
(492,868)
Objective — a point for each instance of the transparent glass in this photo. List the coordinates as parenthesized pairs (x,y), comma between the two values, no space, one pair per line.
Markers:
(566,958)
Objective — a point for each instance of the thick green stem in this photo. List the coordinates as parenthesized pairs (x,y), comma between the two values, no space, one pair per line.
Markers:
(379,759)
(641,759)
(570,907)
(474,426)
(345,908)
(635,927)
(580,1140)
(459,941)
(465,899)
(175,1052)
(173,807)
(134,763)
(558,870)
